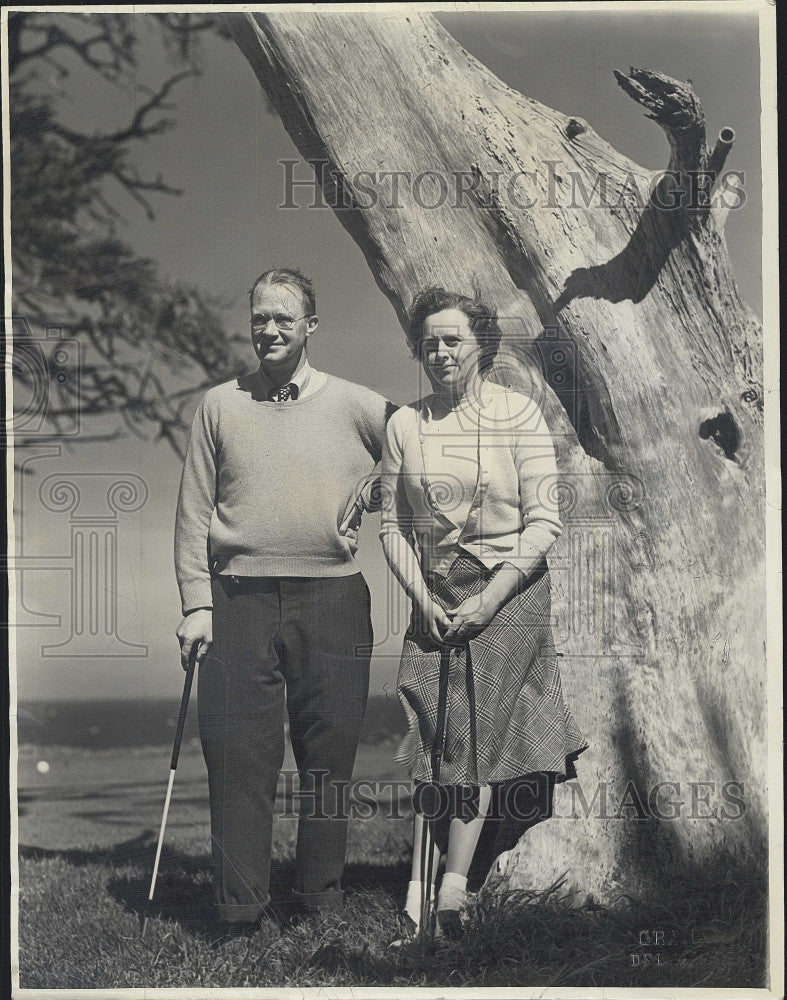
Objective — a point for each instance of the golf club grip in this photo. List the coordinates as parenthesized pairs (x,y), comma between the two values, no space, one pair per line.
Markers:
(442,698)
(184,707)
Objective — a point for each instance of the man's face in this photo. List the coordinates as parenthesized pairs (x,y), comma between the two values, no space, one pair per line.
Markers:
(282,305)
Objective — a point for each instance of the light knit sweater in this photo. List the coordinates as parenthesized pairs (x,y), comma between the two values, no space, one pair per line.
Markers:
(489,466)
(265,485)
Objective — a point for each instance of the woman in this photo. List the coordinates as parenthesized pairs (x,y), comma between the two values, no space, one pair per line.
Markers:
(468,472)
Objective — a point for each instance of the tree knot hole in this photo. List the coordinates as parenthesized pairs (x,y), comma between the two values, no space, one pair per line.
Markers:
(722,429)
(575,127)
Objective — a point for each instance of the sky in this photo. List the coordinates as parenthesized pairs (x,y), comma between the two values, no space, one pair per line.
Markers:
(227,227)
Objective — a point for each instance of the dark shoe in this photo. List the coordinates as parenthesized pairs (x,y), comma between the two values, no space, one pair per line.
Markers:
(237,928)
(449,925)
(284,910)
(248,928)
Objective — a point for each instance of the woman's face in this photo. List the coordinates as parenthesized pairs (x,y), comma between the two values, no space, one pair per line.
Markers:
(449,350)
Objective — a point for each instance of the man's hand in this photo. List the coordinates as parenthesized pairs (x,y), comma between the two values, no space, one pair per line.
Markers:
(195,632)
(470,618)
(367,499)
(371,496)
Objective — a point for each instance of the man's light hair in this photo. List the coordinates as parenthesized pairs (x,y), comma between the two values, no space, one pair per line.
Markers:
(290,277)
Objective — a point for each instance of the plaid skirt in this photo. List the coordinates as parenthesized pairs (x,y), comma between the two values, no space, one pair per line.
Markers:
(505,714)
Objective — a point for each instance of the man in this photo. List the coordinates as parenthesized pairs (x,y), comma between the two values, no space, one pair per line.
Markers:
(276,476)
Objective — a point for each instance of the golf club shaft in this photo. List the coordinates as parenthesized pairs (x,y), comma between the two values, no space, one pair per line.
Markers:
(427,855)
(160,844)
(184,707)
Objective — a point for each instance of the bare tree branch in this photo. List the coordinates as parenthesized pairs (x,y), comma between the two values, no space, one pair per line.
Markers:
(139,336)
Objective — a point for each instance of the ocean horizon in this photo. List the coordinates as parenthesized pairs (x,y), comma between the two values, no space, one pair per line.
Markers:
(103,724)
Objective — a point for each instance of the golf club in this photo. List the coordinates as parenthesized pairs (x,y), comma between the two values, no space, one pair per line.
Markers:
(427,840)
(184,705)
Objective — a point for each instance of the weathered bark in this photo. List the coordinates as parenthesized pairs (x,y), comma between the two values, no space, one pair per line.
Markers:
(626,321)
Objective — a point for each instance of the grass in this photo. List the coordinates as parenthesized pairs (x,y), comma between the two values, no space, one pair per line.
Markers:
(81,906)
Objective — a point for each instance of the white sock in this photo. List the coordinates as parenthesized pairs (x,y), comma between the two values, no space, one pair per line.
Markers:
(412,906)
(453,892)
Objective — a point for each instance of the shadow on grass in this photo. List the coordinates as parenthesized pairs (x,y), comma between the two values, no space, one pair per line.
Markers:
(713,937)
(136,851)
(709,928)
(391,879)
(184,884)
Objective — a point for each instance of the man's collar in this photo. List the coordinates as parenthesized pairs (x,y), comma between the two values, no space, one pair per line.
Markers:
(300,376)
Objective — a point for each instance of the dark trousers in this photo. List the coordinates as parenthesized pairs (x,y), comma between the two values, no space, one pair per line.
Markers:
(304,642)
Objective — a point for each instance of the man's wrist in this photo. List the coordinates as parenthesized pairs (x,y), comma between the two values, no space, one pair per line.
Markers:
(370,497)
(202,607)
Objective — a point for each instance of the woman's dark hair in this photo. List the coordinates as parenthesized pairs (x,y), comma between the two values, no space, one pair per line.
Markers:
(483,319)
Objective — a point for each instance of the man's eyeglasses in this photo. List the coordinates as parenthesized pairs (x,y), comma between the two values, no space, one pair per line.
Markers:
(282,322)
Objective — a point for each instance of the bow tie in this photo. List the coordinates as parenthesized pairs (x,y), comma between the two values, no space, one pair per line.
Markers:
(289,391)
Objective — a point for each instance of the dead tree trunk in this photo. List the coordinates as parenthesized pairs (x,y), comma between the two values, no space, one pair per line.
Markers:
(621,311)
